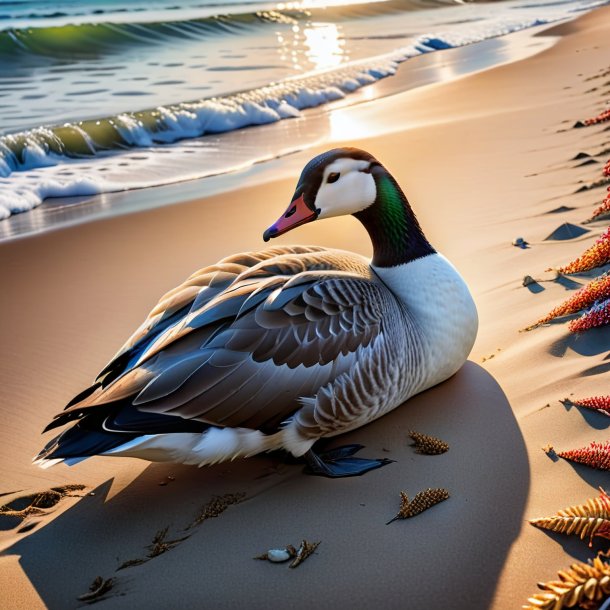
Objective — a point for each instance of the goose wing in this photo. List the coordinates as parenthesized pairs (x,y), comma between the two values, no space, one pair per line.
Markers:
(190,296)
(278,331)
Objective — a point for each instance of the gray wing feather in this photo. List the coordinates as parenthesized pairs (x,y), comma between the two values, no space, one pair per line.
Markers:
(201,287)
(245,354)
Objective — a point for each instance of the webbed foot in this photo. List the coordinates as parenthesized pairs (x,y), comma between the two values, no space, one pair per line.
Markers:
(338,462)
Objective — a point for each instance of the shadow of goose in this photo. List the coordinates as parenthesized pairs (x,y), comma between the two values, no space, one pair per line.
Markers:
(361,561)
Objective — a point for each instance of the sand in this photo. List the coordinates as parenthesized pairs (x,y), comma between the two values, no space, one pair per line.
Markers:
(483,159)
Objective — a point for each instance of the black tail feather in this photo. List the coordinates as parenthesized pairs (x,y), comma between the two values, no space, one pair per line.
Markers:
(78,441)
(108,426)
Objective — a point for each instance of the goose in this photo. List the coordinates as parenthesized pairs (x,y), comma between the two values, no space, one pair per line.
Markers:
(279,348)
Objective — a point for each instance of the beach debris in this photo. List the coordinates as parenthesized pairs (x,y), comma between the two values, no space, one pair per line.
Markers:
(168,479)
(527,280)
(585,520)
(607,168)
(421,502)
(592,185)
(97,589)
(216,506)
(35,504)
(600,118)
(595,256)
(158,546)
(598,315)
(534,286)
(585,585)
(297,555)
(161,545)
(303,552)
(550,451)
(278,555)
(130,563)
(597,403)
(596,455)
(519,242)
(596,289)
(566,231)
(428,445)
(602,212)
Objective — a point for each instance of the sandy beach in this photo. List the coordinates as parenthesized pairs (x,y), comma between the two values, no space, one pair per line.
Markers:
(484,159)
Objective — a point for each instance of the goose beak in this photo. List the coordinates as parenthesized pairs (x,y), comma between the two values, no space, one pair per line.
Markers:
(298,213)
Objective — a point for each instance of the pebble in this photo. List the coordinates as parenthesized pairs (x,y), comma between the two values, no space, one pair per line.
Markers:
(528,279)
(278,555)
(519,242)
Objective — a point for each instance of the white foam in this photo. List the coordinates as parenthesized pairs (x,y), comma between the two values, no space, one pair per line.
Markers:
(24,195)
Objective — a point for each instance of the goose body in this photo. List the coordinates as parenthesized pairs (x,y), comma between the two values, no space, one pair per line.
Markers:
(279,348)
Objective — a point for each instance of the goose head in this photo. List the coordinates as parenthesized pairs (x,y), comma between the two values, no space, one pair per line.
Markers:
(346,181)
(336,183)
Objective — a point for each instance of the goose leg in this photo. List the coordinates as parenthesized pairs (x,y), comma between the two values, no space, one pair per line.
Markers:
(338,462)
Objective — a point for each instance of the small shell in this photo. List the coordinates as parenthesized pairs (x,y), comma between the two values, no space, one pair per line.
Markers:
(278,555)
(519,242)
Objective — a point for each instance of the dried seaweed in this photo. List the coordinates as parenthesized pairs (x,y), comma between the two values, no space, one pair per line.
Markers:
(598,315)
(585,297)
(161,545)
(130,563)
(216,506)
(597,403)
(428,445)
(585,585)
(602,212)
(595,256)
(303,552)
(421,502)
(39,502)
(595,455)
(97,589)
(585,520)
(600,118)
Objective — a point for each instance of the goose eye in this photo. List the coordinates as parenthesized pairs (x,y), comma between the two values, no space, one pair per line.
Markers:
(333,177)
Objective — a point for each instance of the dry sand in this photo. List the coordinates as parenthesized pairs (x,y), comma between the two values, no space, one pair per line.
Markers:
(483,159)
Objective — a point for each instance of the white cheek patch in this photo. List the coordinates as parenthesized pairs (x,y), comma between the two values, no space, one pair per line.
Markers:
(354,191)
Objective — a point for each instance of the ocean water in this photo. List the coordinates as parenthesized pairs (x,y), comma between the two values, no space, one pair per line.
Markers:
(103,96)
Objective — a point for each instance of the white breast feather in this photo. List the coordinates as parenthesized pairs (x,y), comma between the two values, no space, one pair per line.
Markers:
(441,305)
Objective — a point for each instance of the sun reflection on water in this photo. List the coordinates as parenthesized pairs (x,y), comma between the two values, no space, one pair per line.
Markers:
(324,47)
(315,45)
(317,4)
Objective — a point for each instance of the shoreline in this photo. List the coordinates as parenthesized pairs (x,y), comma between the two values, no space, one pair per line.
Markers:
(274,143)
(483,159)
